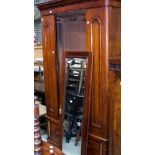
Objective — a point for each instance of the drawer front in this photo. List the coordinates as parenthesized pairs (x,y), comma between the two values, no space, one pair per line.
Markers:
(54,131)
(96,146)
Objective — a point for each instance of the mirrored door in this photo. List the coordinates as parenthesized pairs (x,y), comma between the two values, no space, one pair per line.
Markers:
(76,93)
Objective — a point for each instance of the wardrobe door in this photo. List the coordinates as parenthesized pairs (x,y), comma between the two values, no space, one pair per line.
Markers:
(96,42)
(51,78)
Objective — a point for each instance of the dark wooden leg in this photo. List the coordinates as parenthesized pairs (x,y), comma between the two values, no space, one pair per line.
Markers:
(78,135)
(68,134)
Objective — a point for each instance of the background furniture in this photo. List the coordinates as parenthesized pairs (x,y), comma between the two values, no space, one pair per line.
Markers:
(82,25)
(39,80)
(42,115)
(37,135)
(39,92)
(39,76)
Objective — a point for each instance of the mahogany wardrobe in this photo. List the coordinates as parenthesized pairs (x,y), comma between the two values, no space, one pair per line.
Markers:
(86,33)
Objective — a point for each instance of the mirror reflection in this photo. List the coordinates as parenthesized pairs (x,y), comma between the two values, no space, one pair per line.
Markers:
(75,69)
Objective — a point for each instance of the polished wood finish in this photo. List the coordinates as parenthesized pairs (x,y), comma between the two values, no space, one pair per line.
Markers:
(114,112)
(114,32)
(48,8)
(96,146)
(117,119)
(48,149)
(51,78)
(115,60)
(96,42)
(115,81)
(50,65)
(114,75)
(103,37)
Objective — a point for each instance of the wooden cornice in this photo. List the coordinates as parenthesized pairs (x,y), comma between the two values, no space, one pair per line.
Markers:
(56,3)
(51,4)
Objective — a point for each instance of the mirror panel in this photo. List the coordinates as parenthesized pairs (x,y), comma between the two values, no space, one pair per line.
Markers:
(74,104)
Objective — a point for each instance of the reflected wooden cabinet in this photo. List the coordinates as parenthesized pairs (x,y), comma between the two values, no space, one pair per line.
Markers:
(92,26)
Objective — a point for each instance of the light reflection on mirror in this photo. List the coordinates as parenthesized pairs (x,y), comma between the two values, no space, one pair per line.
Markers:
(75,69)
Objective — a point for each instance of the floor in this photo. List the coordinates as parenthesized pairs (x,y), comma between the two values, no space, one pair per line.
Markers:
(44,135)
(70,148)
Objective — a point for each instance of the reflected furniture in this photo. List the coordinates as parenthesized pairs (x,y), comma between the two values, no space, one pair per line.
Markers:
(39,92)
(74,100)
(39,89)
(39,76)
(75,96)
(93,26)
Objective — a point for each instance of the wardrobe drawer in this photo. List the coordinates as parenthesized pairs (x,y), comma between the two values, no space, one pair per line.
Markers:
(96,147)
(54,132)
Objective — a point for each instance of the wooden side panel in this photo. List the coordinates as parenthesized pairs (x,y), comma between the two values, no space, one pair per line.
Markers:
(96,42)
(50,66)
(114,81)
(114,113)
(114,32)
(117,119)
